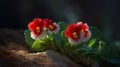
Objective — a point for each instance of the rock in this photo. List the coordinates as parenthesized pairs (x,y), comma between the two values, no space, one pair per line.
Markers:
(12,40)
(48,58)
(14,52)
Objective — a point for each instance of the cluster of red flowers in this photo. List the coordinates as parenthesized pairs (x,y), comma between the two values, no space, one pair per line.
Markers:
(38,25)
(77,33)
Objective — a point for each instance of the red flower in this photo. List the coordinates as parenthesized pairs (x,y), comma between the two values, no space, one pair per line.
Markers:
(77,33)
(85,31)
(73,33)
(37,28)
(52,27)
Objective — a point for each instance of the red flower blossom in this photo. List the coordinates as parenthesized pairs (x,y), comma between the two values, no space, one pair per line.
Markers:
(37,28)
(52,27)
(77,33)
(85,31)
(73,34)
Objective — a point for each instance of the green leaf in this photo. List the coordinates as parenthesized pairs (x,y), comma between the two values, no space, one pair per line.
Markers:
(91,43)
(57,40)
(59,37)
(38,45)
(110,54)
(101,46)
(67,48)
(84,47)
(64,39)
(63,26)
(81,50)
(49,44)
(28,38)
(96,37)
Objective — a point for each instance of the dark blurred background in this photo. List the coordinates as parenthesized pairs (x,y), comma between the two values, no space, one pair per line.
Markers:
(104,14)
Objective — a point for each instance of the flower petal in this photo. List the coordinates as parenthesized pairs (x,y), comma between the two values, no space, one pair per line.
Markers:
(87,37)
(70,30)
(85,27)
(76,42)
(47,22)
(57,28)
(31,26)
(37,28)
(36,37)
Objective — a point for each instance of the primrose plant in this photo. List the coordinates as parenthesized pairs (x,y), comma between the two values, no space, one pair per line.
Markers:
(76,40)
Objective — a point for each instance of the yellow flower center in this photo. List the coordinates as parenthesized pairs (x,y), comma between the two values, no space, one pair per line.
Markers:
(75,35)
(83,32)
(51,27)
(37,29)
